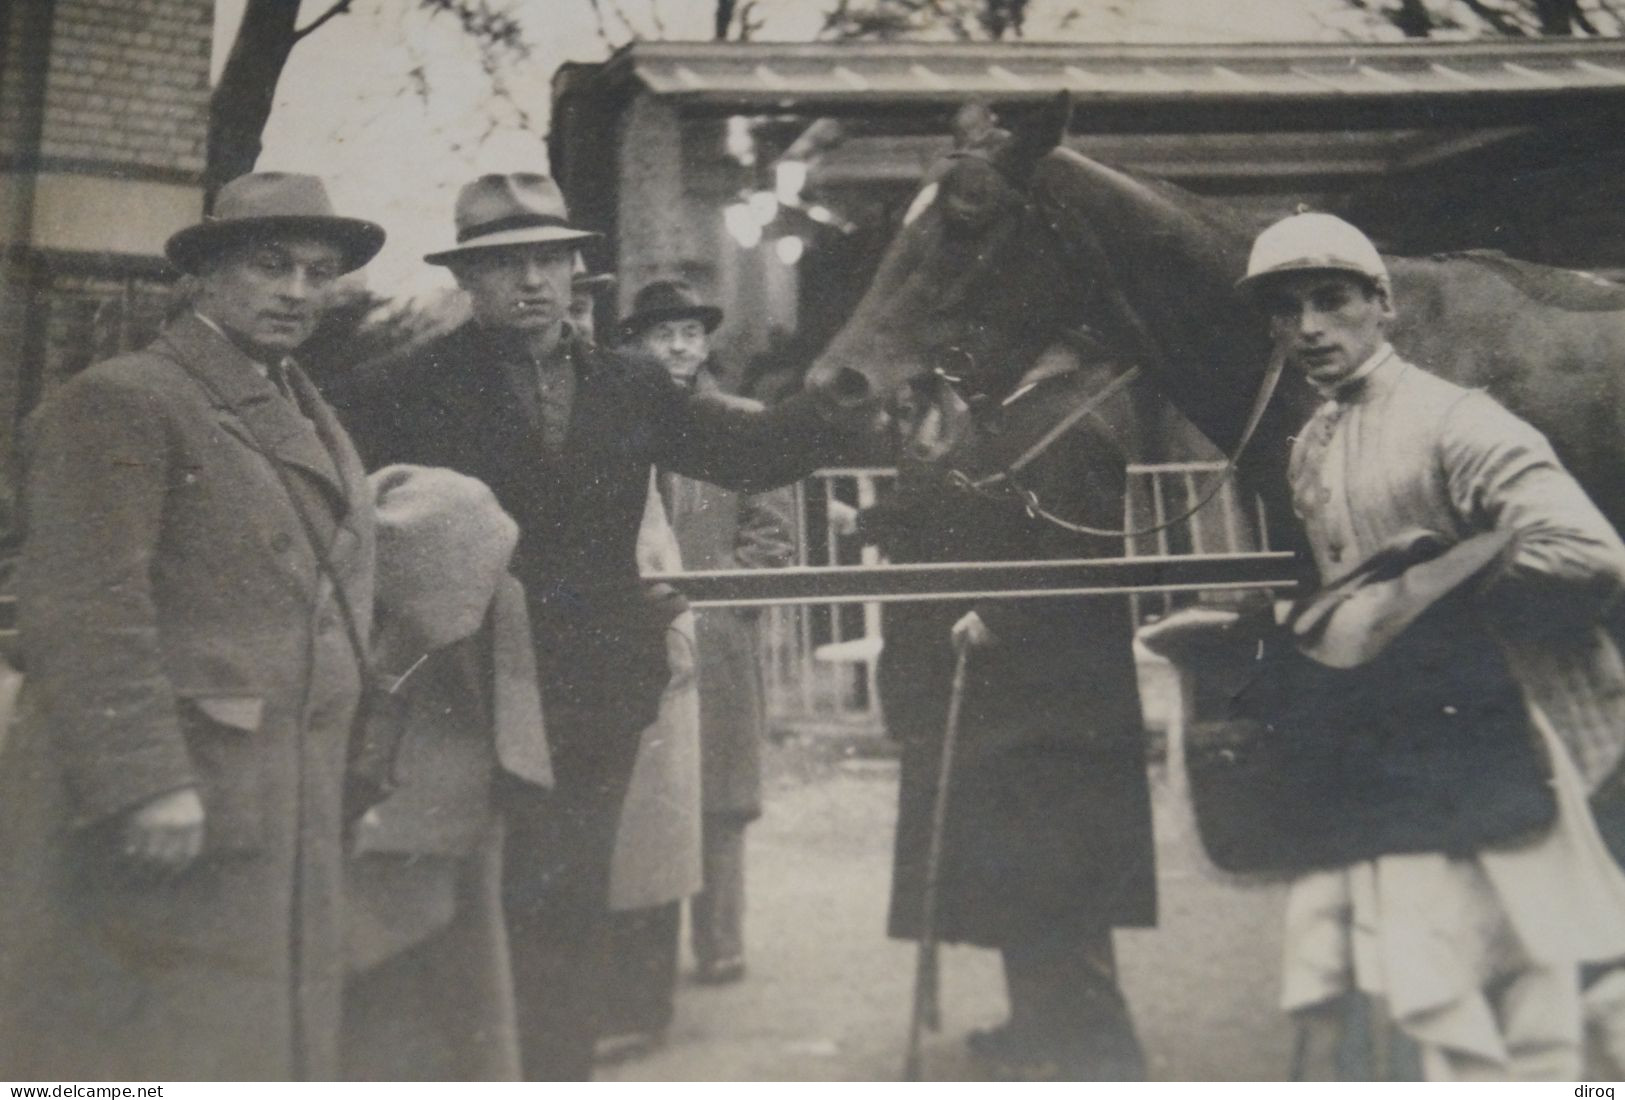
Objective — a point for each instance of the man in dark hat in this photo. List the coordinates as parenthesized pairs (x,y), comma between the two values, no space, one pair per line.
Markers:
(716,529)
(565,433)
(199,539)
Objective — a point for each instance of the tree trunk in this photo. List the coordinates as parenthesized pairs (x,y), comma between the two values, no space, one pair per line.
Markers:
(724,19)
(241,103)
(1413,19)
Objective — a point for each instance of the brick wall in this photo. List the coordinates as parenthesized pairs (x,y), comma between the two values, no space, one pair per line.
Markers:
(129,83)
(103,122)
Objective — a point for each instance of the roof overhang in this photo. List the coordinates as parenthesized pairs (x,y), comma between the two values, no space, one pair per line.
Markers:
(1143,88)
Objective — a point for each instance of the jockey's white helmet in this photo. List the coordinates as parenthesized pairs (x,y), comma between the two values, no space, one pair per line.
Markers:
(1313,242)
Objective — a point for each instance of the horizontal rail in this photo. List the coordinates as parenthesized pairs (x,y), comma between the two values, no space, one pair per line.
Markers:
(983,580)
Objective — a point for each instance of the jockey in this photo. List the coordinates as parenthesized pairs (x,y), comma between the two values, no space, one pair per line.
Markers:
(1475,956)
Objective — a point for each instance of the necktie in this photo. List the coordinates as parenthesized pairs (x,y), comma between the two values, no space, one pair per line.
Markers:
(1310,494)
(278,374)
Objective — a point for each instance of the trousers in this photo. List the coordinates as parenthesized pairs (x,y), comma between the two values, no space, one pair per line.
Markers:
(718,910)
(1065,998)
(641,993)
(556,865)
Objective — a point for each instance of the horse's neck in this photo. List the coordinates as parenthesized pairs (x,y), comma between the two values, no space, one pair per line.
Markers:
(1164,264)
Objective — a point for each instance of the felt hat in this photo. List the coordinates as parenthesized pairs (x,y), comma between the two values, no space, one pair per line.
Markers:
(443,543)
(265,204)
(581,280)
(668,300)
(501,210)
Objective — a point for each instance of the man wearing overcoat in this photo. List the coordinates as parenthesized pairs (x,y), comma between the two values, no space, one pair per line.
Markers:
(565,433)
(170,802)
(717,529)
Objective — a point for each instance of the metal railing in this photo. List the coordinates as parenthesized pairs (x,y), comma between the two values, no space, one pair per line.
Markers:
(819,662)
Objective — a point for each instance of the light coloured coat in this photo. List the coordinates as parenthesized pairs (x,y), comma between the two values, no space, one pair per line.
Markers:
(657,846)
(719,528)
(1411,450)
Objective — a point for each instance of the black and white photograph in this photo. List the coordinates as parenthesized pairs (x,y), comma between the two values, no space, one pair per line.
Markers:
(979,541)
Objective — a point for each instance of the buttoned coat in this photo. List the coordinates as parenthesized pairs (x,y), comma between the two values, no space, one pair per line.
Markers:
(1406,450)
(178,632)
(1048,830)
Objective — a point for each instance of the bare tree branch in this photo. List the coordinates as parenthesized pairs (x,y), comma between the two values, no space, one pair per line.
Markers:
(1500,21)
(600,24)
(632,31)
(240,105)
(749,21)
(340,7)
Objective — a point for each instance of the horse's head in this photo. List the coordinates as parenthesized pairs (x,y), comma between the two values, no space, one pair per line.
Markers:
(970,287)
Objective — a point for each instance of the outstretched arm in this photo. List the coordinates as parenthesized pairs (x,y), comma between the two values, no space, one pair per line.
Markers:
(744,445)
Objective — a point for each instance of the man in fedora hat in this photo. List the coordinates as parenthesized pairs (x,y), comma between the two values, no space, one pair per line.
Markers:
(585,290)
(716,529)
(566,433)
(1391,451)
(195,585)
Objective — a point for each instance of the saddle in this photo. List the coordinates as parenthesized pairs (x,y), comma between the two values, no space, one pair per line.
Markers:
(1379,717)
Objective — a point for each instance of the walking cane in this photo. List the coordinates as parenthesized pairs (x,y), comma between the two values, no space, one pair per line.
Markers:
(925,965)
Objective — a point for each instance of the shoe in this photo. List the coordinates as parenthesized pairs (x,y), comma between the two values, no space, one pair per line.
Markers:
(1008,1053)
(615,1049)
(720,971)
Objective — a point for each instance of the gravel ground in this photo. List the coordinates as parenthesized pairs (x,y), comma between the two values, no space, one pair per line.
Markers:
(827,995)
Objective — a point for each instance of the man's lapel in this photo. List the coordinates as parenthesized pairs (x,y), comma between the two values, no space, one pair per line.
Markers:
(346,463)
(253,409)
(476,389)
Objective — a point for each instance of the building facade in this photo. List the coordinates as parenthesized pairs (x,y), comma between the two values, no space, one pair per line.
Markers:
(103,119)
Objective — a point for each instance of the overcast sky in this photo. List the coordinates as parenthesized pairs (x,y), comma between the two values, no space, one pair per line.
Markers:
(392,108)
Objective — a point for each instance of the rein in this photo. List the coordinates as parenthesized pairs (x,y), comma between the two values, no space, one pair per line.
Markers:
(989,487)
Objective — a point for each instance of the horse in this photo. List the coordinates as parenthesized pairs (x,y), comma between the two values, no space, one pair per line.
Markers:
(1015,238)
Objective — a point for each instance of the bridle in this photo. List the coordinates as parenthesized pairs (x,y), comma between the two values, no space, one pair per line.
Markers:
(1006,484)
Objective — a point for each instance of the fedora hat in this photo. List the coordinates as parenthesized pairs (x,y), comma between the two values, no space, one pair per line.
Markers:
(500,210)
(668,300)
(581,280)
(263,204)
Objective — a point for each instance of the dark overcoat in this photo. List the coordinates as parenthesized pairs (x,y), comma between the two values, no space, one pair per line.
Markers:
(178,632)
(718,528)
(1049,817)
(466,402)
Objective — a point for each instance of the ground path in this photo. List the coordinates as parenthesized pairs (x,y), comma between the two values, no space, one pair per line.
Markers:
(827,995)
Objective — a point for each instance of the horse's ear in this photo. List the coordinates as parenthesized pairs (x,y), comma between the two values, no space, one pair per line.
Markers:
(1035,135)
(972,124)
